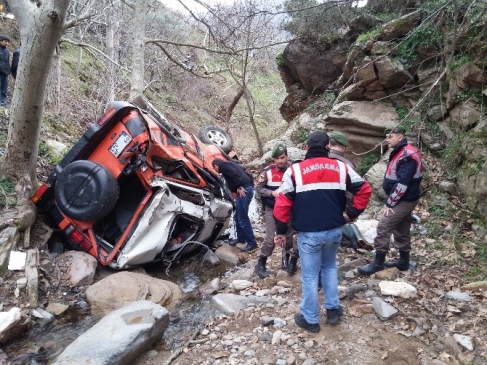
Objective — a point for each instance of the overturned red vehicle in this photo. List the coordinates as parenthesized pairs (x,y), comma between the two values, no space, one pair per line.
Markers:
(135,189)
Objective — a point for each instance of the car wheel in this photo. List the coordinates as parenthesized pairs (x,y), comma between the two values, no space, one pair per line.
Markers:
(86,191)
(212,134)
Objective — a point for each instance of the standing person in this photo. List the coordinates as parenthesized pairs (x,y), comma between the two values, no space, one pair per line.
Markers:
(313,193)
(241,186)
(268,185)
(15,62)
(338,145)
(402,185)
(4,69)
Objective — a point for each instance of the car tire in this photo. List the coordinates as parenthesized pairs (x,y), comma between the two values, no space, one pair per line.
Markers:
(86,191)
(212,134)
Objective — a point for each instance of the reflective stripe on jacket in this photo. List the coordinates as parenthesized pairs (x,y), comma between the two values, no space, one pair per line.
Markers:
(270,179)
(313,192)
(403,175)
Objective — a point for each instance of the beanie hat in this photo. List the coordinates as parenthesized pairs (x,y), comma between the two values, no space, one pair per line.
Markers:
(278,150)
(398,129)
(4,38)
(340,138)
(318,139)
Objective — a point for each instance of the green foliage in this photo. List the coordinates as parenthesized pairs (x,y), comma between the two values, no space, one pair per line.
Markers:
(171,99)
(471,95)
(460,61)
(6,191)
(371,34)
(401,112)
(280,58)
(424,36)
(367,162)
(476,273)
(328,97)
(3,139)
(43,149)
(454,153)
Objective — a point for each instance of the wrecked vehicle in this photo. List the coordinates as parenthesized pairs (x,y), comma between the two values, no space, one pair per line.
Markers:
(135,189)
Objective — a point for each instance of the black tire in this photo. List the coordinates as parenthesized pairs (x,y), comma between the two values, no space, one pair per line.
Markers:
(212,134)
(86,191)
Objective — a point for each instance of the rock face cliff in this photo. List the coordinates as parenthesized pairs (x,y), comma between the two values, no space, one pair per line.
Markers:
(426,75)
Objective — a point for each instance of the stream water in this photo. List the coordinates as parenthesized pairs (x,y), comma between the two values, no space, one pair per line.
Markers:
(45,342)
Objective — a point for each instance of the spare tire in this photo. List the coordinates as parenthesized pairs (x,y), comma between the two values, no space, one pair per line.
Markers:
(86,191)
(212,134)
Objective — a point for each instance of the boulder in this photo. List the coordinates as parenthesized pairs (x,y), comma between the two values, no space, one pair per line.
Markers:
(13,324)
(232,303)
(363,122)
(391,72)
(401,26)
(465,116)
(228,254)
(121,288)
(470,76)
(375,176)
(81,267)
(119,337)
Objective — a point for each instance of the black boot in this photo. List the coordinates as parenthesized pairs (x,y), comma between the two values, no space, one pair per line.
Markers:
(260,268)
(374,266)
(402,263)
(285,260)
(292,266)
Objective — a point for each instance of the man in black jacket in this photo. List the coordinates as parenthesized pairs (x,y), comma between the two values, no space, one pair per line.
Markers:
(401,183)
(4,69)
(241,187)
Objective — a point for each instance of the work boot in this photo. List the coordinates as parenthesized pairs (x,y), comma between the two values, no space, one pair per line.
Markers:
(402,263)
(374,266)
(333,315)
(234,242)
(285,260)
(292,266)
(260,268)
(249,247)
(303,323)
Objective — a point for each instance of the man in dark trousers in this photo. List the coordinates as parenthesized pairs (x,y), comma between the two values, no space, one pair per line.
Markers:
(241,186)
(313,193)
(402,185)
(4,69)
(268,184)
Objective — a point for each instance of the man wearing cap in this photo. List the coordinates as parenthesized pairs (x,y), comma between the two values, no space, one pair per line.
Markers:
(4,69)
(402,185)
(337,146)
(268,184)
(313,194)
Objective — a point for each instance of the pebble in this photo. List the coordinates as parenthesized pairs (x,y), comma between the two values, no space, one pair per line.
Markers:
(227,343)
(456,295)
(309,362)
(205,332)
(309,343)
(276,337)
(290,342)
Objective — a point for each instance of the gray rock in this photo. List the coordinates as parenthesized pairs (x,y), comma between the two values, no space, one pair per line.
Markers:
(44,316)
(119,337)
(456,295)
(448,187)
(82,267)
(383,310)
(265,336)
(464,341)
(211,258)
(309,362)
(8,237)
(281,362)
(354,289)
(13,324)
(228,254)
(232,303)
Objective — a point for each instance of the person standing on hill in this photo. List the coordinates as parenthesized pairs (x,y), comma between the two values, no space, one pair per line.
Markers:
(4,69)
(241,186)
(402,185)
(313,193)
(268,184)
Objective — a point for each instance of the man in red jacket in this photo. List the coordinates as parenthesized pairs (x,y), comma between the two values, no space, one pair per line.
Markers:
(313,193)
(401,183)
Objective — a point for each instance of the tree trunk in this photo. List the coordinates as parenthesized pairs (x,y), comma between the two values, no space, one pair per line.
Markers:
(41,27)
(138,48)
(53,89)
(232,106)
(248,99)
(111,50)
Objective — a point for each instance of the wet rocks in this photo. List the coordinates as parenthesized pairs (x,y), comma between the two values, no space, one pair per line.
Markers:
(232,303)
(119,337)
(228,254)
(121,288)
